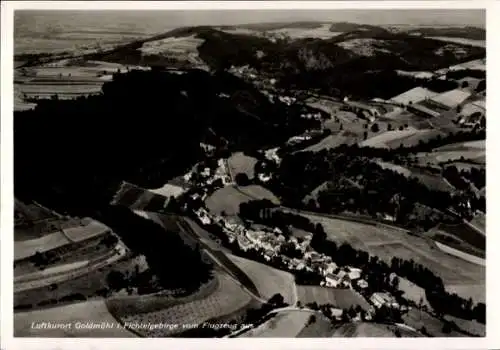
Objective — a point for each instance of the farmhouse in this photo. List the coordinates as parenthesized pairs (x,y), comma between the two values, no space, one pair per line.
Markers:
(381,299)
(332,280)
(337,313)
(362,284)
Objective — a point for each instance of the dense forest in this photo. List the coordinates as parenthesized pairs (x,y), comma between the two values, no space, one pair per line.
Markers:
(144,128)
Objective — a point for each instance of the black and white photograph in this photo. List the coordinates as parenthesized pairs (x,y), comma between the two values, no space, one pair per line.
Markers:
(253,173)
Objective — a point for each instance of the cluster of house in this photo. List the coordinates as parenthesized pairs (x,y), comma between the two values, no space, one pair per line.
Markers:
(315,116)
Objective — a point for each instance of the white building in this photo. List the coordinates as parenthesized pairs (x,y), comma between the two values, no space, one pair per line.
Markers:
(380,299)
(333,280)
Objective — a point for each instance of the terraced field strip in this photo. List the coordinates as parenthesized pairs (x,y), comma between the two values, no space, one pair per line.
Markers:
(226,299)
(268,280)
(462,255)
(27,248)
(74,273)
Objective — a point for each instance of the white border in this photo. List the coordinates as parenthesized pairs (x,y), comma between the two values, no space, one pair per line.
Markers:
(6,306)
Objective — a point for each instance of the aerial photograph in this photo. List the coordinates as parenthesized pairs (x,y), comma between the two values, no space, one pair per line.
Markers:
(249,173)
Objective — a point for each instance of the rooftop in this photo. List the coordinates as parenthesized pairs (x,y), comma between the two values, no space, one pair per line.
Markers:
(414,95)
(451,98)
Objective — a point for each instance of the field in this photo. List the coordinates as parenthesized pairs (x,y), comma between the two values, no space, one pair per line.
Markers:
(236,270)
(466,233)
(240,163)
(394,167)
(438,157)
(226,299)
(321,328)
(464,41)
(394,137)
(432,181)
(475,291)
(268,280)
(386,242)
(412,292)
(341,298)
(137,198)
(228,199)
(462,146)
(67,254)
(180,45)
(88,285)
(333,141)
(94,311)
(469,326)
(461,254)
(417,319)
(322,32)
(363,329)
(286,324)
(479,221)
(168,190)
(91,229)
(27,248)
(68,272)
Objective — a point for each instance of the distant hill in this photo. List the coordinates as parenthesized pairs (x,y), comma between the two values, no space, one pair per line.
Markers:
(352,27)
(473,33)
(276,25)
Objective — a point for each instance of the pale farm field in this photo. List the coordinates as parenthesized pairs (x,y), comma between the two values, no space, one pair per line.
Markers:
(27,248)
(241,163)
(386,243)
(475,291)
(412,292)
(286,324)
(363,329)
(464,41)
(393,137)
(322,32)
(229,198)
(394,167)
(226,299)
(169,190)
(267,279)
(180,45)
(341,298)
(94,311)
(479,144)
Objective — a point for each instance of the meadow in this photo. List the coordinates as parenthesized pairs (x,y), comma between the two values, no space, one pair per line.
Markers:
(228,199)
(286,324)
(268,280)
(241,163)
(340,298)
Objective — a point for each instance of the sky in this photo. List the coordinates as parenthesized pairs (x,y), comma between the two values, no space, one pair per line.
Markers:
(149,21)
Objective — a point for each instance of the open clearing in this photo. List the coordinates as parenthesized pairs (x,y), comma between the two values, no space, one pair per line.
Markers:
(321,328)
(241,163)
(169,190)
(286,324)
(397,168)
(471,326)
(94,311)
(412,292)
(268,280)
(417,319)
(24,249)
(464,41)
(475,291)
(333,141)
(341,298)
(226,299)
(387,242)
(479,144)
(229,198)
(363,329)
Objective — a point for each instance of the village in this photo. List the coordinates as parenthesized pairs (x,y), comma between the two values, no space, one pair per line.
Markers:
(270,241)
